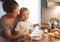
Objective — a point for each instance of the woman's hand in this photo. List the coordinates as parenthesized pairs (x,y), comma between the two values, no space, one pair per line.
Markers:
(26,36)
(18,33)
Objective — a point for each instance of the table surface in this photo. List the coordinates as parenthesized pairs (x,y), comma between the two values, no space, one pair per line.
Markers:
(44,39)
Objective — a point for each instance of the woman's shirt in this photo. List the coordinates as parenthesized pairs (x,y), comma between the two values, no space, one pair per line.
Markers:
(7,27)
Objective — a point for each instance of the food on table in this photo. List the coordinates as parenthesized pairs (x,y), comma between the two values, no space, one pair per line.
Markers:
(57,34)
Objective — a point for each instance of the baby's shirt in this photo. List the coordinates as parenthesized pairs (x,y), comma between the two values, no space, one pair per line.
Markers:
(24,27)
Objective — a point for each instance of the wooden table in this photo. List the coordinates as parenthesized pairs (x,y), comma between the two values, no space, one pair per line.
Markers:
(45,39)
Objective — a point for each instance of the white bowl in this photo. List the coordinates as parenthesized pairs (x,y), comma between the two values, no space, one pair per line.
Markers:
(36,35)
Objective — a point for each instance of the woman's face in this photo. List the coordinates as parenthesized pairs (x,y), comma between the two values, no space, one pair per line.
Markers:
(25,15)
(16,11)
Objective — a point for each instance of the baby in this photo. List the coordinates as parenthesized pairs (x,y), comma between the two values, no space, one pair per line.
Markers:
(25,26)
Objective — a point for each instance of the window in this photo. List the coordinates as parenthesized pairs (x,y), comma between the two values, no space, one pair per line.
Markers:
(34,7)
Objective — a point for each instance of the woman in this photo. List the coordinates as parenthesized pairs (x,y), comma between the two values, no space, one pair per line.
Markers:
(9,20)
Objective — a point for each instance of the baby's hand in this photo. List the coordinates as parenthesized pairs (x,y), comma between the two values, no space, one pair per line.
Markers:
(36,25)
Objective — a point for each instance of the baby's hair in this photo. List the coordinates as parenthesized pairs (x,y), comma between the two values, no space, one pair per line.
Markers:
(23,9)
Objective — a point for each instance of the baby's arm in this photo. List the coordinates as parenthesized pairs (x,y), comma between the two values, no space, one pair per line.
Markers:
(34,25)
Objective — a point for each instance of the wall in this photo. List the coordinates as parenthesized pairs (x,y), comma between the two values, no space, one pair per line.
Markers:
(54,0)
(50,12)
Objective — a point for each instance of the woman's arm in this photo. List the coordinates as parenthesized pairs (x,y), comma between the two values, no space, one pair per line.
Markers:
(11,36)
(8,33)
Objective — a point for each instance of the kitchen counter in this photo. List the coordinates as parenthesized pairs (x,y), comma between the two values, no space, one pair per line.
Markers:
(46,38)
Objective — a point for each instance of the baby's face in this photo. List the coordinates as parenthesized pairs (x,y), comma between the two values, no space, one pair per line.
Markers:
(25,15)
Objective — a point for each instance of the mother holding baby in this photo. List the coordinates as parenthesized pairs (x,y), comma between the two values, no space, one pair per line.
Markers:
(9,20)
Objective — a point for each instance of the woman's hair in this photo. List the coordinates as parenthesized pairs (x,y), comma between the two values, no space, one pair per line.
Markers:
(23,9)
(9,5)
